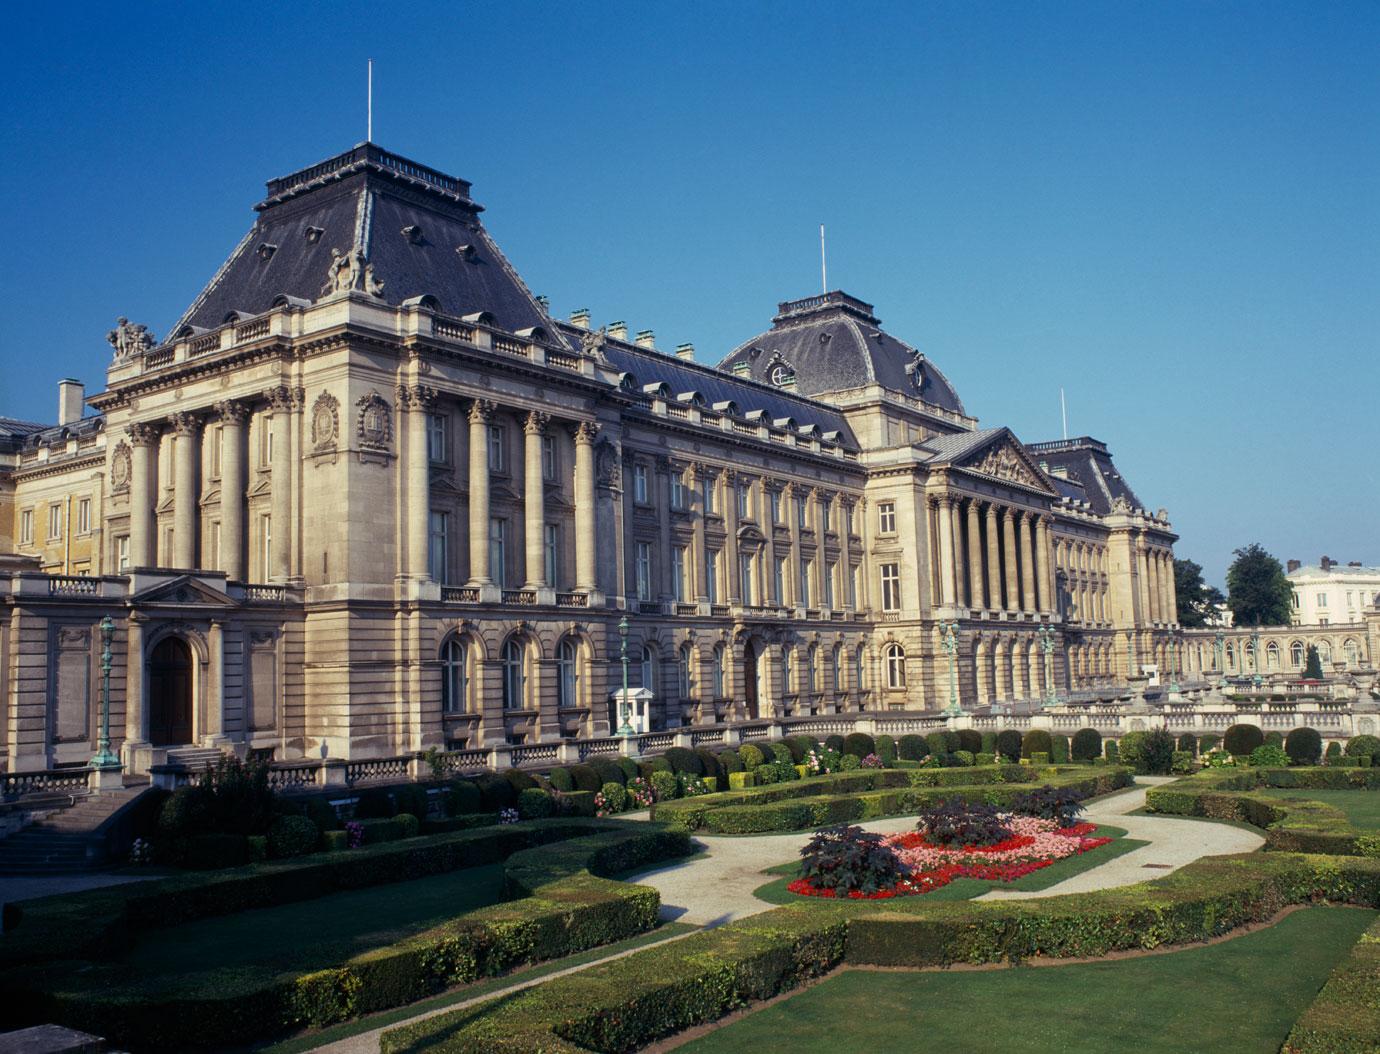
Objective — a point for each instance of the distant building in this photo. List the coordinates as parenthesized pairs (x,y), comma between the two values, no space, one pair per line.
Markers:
(1332,593)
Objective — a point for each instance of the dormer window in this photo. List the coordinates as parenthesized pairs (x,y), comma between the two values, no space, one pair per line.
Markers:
(781,375)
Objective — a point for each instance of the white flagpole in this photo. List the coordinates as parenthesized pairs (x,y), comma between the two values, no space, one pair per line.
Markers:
(369,135)
(823,265)
(1064,412)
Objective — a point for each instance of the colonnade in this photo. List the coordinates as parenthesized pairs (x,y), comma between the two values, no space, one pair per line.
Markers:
(1083,566)
(1156,576)
(991,557)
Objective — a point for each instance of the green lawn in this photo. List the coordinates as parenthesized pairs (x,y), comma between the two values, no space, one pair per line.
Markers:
(314,933)
(1237,997)
(1362,807)
(775,892)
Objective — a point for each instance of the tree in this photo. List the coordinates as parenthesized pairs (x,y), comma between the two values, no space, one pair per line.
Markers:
(1312,665)
(1196,600)
(1258,593)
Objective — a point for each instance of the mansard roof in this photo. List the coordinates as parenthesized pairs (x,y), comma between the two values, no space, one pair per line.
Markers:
(1088,464)
(415,229)
(834,342)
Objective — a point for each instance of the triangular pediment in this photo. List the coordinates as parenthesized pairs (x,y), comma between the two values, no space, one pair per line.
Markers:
(1007,460)
(183,591)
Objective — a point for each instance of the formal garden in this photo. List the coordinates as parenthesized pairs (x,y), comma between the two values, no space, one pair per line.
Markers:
(287,922)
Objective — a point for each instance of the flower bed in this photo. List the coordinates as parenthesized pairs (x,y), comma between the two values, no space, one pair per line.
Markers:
(1034,844)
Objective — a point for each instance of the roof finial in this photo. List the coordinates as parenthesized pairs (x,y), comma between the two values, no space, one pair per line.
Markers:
(369,128)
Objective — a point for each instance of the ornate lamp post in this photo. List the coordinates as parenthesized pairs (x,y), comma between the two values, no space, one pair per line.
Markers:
(1255,657)
(624,710)
(104,759)
(948,637)
(1046,635)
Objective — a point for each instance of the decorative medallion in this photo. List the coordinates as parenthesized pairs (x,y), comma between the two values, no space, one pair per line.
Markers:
(120,466)
(375,422)
(325,420)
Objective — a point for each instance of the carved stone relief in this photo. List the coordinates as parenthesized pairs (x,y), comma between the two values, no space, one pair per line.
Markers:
(325,420)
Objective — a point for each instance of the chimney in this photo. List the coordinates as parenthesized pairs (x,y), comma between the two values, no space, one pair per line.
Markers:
(1326,563)
(580,317)
(618,330)
(1353,563)
(685,351)
(1292,566)
(71,401)
(646,339)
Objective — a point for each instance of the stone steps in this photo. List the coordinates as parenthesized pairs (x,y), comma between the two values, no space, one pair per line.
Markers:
(65,840)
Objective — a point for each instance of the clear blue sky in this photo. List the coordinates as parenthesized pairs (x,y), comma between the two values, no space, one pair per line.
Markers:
(1170,209)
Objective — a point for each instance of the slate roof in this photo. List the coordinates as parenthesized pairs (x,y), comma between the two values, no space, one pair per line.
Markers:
(417,227)
(834,342)
(1090,467)
(14,432)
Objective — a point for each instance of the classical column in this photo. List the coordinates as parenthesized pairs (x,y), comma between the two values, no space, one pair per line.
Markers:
(143,481)
(214,731)
(1009,577)
(419,400)
(730,502)
(134,681)
(974,556)
(186,428)
(960,574)
(1171,591)
(993,559)
(769,548)
(1043,575)
(481,410)
(534,499)
(1027,566)
(946,551)
(280,526)
(232,488)
(848,600)
(663,522)
(821,500)
(585,562)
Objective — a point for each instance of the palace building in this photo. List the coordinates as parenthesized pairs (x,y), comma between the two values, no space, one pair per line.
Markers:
(369,496)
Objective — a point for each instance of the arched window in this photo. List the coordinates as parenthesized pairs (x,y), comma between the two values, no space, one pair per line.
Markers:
(1296,655)
(895,657)
(1352,652)
(514,675)
(718,671)
(811,673)
(648,667)
(568,674)
(1231,656)
(836,669)
(1248,655)
(1324,653)
(683,671)
(1272,656)
(454,677)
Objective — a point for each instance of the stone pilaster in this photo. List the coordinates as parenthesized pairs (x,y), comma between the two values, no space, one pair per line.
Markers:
(233,483)
(534,499)
(143,482)
(481,412)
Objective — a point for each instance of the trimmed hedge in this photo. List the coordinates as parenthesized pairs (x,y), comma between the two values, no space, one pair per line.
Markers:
(1036,741)
(627,1003)
(565,906)
(1304,746)
(1240,740)
(1086,745)
(1345,1016)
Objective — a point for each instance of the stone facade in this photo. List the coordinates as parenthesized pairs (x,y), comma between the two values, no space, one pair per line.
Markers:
(369,497)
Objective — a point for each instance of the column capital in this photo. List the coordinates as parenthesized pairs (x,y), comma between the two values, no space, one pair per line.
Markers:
(481,411)
(184,424)
(231,411)
(144,433)
(280,397)
(535,423)
(728,475)
(586,431)
(417,396)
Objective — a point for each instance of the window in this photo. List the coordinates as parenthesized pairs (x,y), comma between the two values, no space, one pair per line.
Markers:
(677,490)
(265,447)
(568,675)
(853,580)
(745,577)
(744,501)
(644,571)
(811,671)
(683,684)
(776,506)
(26,526)
(891,587)
(806,567)
(782,375)
(886,517)
(800,512)
(678,564)
(830,570)
(122,554)
(1296,654)
(84,516)
(858,683)
(786,657)
(54,521)
(551,552)
(437,446)
(498,551)
(836,667)
(1352,652)
(1322,600)
(711,576)
(1350,599)
(454,679)
(438,547)
(1272,656)
(498,442)
(648,665)
(895,666)
(548,458)
(778,581)
(1325,653)
(707,488)
(514,675)
(1296,601)
(640,484)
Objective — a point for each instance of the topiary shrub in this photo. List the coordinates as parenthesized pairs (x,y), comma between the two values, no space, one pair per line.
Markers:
(186,812)
(463,798)
(1129,748)
(683,760)
(970,739)
(731,761)
(1269,755)
(1363,746)
(849,762)
(535,804)
(859,744)
(585,777)
(1304,746)
(630,770)
(290,836)
(1157,752)
(1059,749)
(713,771)
(1208,742)
(1036,741)
(1182,763)
(608,771)
(798,746)
(886,749)
(1112,751)
(848,860)
(989,743)
(1086,745)
(1274,739)
(409,826)
(495,792)
(751,756)
(1009,744)
(1334,752)
(615,798)
(912,747)
(321,812)
(782,753)
(965,757)
(665,786)
(561,780)
(1188,743)
(834,743)
(938,743)
(411,797)
(1240,740)
(374,803)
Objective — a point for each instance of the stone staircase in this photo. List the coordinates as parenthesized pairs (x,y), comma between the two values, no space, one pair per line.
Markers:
(65,839)
(195,759)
